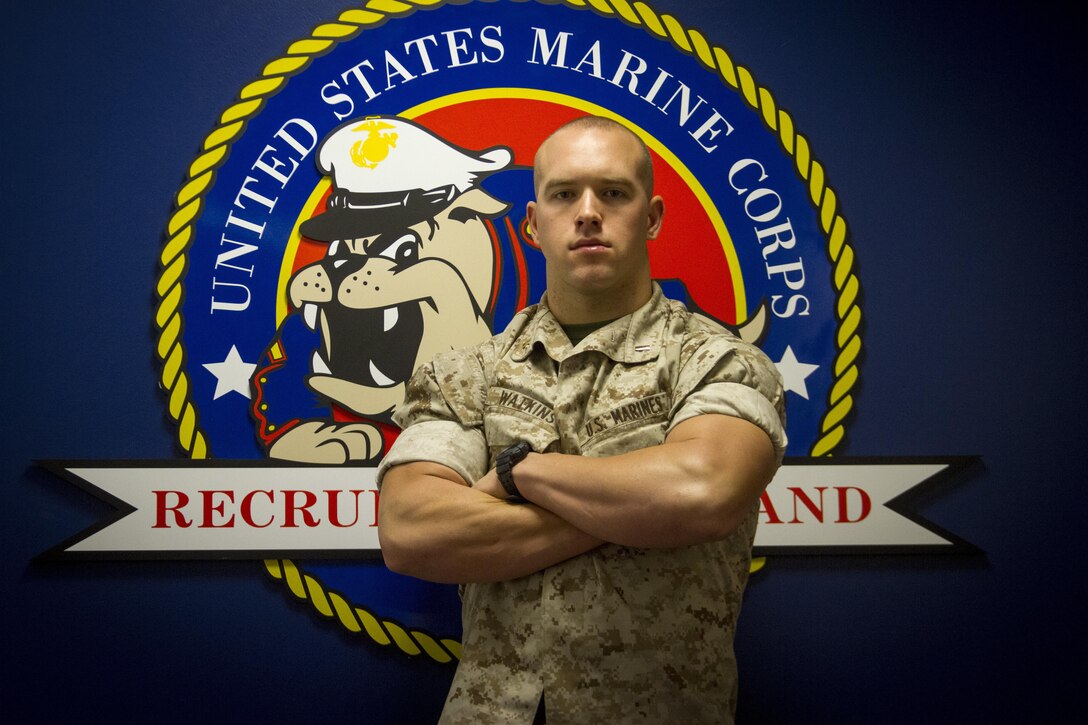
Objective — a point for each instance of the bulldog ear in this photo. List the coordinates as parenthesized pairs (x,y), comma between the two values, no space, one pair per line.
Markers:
(475,204)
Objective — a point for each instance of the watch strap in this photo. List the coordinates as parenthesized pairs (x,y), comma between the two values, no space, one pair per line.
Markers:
(504,466)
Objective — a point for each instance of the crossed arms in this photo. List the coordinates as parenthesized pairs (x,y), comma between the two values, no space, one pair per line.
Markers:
(695,487)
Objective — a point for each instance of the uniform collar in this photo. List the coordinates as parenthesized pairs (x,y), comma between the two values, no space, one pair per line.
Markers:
(633,338)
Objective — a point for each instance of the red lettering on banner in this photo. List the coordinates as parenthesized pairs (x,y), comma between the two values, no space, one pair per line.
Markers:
(334,508)
(800,495)
(247,508)
(851,505)
(866,505)
(290,508)
(211,508)
(767,508)
(161,508)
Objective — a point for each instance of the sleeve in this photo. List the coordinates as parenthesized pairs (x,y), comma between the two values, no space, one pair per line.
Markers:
(727,376)
(441,419)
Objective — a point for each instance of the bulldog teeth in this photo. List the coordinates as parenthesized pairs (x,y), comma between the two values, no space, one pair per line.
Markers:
(333,248)
(309,315)
(389,319)
(379,377)
(319,365)
(339,263)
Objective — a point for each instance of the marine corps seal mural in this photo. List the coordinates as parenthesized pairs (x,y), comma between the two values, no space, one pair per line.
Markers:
(361,207)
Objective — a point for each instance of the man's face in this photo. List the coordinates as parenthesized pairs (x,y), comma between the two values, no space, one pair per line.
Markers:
(593,215)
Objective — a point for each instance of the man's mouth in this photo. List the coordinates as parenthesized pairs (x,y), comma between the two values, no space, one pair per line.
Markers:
(589,243)
(375,347)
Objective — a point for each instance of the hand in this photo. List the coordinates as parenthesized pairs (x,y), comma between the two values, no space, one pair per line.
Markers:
(319,441)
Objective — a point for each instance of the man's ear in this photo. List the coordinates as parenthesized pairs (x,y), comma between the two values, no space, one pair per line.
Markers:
(657,213)
(530,214)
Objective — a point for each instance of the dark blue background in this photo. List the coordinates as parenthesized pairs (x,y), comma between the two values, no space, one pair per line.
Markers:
(952,138)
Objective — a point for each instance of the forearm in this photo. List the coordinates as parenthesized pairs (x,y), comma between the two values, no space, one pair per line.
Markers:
(434,528)
(696,487)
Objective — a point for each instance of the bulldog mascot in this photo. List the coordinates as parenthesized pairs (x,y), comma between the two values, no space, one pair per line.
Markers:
(410,270)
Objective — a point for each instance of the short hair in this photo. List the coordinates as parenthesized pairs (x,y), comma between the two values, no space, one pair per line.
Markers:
(645,170)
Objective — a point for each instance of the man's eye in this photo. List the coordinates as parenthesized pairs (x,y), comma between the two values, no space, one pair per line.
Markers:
(405,249)
(614,194)
(564,195)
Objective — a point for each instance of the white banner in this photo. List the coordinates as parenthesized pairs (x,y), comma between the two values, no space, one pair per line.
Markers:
(233,510)
(259,509)
(818,505)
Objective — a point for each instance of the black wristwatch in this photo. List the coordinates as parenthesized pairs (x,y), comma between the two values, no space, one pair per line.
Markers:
(504,467)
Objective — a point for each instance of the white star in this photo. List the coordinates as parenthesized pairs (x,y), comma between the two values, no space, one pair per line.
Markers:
(794,373)
(231,375)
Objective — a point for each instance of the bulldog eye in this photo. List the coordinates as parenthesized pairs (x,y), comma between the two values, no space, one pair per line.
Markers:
(404,250)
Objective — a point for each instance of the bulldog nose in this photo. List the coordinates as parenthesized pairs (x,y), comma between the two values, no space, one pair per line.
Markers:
(340,266)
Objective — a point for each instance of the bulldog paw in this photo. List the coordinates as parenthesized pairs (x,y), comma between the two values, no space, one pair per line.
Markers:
(318,441)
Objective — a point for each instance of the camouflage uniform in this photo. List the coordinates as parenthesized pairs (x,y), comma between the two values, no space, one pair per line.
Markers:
(618,634)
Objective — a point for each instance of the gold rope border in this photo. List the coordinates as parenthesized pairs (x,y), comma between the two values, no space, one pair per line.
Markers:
(189,204)
(357,620)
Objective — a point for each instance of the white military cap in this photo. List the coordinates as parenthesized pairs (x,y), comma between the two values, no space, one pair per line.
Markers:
(388,171)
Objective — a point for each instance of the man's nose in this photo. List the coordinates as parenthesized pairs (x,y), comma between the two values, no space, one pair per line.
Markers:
(589,209)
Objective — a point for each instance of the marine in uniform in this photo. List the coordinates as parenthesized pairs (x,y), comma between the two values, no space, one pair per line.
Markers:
(591,475)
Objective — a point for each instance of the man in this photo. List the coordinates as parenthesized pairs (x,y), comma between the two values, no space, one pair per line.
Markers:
(603,562)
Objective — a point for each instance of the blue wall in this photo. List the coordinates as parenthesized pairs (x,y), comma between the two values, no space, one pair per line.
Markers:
(952,137)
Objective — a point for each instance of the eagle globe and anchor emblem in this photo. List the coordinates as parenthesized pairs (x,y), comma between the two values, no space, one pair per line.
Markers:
(370,151)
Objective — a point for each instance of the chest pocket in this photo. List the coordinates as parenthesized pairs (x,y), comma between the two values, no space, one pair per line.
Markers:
(513,416)
(639,421)
(631,425)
